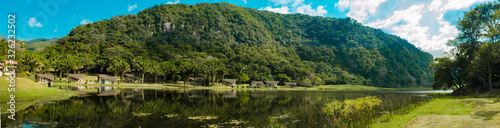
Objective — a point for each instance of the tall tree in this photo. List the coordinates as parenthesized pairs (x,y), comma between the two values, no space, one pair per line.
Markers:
(142,66)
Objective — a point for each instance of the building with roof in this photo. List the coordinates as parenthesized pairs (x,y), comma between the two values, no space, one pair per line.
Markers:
(106,79)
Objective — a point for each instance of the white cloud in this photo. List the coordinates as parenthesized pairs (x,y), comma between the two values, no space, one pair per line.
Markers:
(55,30)
(359,9)
(307,9)
(295,6)
(85,21)
(282,9)
(293,3)
(132,7)
(177,1)
(32,22)
(444,5)
(245,1)
(342,5)
(406,24)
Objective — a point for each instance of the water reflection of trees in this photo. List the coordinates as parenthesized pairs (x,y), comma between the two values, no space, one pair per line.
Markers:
(298,109)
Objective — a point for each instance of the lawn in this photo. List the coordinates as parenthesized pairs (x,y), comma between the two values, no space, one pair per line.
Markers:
(29,92)
(446,111)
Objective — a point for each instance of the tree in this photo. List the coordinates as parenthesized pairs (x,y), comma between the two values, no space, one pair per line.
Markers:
(31,61)
(168,68)
(187,69)
(119,67)
(476,56)
(142,66)
(156,70)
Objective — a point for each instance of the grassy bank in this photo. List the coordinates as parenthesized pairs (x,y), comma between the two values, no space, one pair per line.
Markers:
(446,111)
(29,92)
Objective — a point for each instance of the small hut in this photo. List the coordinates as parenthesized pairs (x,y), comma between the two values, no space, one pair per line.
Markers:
(255,84)
(131,78)
(229,82)
(198,81)
(76,77)
(106,79)
(44,78)
(272,84)
(290,84)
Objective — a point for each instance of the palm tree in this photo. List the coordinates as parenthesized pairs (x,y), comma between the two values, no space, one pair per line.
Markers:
(70,63)
(168,68)
(31,60)
(142,66)
(119,67)
(187,69)
(155,69)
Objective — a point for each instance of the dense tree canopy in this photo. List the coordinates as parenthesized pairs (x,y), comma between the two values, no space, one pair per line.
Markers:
(217,41)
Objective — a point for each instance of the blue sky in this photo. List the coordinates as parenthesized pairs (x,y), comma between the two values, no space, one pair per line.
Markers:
(428,24)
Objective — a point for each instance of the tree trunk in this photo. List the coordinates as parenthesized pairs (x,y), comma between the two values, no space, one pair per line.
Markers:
(489,77)
(142,80)
(121,76)
(156,79)
(67,74)
(165,78)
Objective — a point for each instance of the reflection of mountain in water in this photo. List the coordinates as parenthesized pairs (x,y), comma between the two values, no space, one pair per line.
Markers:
(114,107)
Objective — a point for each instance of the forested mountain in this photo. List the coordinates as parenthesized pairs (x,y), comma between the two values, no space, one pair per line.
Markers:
(248,44)
(39,43)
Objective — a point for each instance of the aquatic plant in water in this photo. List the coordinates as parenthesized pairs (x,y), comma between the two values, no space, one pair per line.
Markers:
(352,112)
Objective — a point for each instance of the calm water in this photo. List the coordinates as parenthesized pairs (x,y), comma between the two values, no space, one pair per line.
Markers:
(135,108)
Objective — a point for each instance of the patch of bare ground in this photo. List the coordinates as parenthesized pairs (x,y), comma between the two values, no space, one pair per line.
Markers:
(486,114)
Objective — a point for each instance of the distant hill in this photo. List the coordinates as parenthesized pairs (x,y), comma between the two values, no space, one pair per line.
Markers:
(39,43)
(254,45)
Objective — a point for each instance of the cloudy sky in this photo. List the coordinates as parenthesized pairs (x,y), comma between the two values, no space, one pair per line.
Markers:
(427,24)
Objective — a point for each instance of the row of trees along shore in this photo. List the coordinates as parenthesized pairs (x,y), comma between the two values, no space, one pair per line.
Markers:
(473,65)
(211,69)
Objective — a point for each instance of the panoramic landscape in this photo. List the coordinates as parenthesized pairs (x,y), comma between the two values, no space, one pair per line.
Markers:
(275,63)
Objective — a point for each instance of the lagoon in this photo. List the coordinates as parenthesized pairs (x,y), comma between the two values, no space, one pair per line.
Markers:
(149,108)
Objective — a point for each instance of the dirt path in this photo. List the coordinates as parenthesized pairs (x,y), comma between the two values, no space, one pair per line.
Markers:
(486,114)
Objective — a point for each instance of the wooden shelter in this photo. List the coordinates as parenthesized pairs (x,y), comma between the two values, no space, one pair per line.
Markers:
(272,83)
(76,77)
(44,78)
(131,78)
(291,84)
(229,82)
(106,79)
(198,81)
(255,84)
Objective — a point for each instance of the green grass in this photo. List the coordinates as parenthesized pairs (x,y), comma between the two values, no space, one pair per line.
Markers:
(29,92)
(441,105)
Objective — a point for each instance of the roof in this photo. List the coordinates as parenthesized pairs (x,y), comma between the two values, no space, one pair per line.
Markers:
(76,76)
(272,82)
(46,76)
(258,82)
(229,80)
(106,77)
(130,75)
(290,83)
(11,62)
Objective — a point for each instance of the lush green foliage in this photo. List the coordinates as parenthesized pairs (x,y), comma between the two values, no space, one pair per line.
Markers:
(217,41)
(476,56)
(359,110)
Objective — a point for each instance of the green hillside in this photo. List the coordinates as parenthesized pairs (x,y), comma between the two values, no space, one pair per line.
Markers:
(39,43)
(247,44)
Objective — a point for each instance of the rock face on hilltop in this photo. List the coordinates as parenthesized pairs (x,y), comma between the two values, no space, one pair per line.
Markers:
(258,45)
